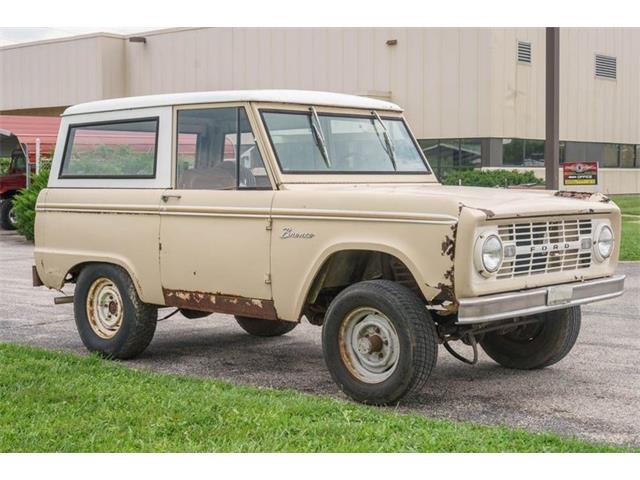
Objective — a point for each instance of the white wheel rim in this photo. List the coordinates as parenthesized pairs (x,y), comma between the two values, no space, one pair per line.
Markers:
(369,345)
(104,308)
(12,216)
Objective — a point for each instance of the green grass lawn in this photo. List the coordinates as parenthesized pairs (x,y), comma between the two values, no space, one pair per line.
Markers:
(630,242)
(62,402)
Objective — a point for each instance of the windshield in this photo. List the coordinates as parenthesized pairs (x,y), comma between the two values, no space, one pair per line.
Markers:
(342,143)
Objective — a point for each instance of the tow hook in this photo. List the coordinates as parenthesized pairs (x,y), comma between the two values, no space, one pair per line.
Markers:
(469,339)
(450,332)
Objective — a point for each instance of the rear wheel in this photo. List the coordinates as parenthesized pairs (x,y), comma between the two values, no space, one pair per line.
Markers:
(7,214)
(535,345)
(379,342)
(110,317)
(265,328)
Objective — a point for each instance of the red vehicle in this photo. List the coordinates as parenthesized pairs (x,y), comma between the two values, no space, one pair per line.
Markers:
(18,138)
(13,156)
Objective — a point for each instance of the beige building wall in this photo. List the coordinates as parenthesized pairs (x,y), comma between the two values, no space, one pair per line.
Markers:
(595,109)
(440,76)
(59,73)
(453,82)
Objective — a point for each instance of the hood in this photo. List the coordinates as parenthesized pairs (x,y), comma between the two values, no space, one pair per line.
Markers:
(493,202)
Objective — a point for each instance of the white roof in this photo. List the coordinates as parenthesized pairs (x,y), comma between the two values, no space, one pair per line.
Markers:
(305,97)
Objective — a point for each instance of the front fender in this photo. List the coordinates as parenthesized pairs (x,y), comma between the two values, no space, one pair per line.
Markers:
(295,262)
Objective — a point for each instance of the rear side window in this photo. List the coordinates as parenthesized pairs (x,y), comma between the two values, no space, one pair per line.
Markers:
(121,149)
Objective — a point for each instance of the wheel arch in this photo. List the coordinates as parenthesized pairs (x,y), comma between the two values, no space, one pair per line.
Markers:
(5,195)
(313,281)
(75,270)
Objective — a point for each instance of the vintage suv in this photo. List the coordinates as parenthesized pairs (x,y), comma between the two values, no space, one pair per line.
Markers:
(274,205)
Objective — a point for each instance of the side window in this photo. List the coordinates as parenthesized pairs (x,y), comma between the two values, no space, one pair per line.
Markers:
(125,149)
(216,150)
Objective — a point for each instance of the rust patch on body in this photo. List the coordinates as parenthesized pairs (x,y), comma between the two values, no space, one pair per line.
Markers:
(447,297)
(447,290)
(219,303)
(595,197)
(448,247)
(488,213)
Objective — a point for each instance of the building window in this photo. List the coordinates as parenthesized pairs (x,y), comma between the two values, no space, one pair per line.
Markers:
(608,152)
(470,153)
(608,155)
(524,52)
(534,153)
(627,155)
(452,154)
(606,67)
(512,152)
(441,154)
(466,153)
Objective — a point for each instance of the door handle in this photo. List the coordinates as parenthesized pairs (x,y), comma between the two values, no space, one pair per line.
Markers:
(165,198)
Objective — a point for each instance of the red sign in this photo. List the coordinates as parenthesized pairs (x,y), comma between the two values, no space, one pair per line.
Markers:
(580,173)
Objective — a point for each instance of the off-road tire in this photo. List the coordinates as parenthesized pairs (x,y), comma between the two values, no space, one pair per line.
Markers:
(6,206)
(259,327)
(138,321)
(552,339)
(418,346)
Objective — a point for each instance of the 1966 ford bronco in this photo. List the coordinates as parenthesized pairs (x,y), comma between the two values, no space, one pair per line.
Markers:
(277,205)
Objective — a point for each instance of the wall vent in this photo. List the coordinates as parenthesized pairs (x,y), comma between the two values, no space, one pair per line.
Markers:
(524,52)
(606,67)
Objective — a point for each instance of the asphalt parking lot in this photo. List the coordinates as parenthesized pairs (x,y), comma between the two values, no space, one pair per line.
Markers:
(593,394)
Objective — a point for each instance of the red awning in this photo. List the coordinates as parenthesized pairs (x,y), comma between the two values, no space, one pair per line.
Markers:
(27,129)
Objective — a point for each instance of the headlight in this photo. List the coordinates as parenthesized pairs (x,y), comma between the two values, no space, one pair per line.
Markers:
(604,243)
(491,253)
(488,254)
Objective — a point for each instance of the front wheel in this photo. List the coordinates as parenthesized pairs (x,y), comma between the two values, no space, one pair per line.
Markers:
(379,342)
(535,345)
(7,214)
(110,317)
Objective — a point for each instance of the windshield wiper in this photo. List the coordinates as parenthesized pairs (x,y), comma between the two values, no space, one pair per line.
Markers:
(318,135)
(389,147)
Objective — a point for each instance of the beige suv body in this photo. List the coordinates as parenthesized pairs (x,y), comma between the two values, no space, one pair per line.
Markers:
(272,205)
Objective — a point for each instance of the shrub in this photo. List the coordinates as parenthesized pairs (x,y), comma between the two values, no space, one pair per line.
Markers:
(490,178)
(25,203)
(4,165)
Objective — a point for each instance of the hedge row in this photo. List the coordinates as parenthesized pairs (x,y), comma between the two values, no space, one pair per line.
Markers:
(490,178)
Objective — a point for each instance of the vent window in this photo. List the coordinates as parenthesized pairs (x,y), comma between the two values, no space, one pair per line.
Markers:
(606,67)
(524,52)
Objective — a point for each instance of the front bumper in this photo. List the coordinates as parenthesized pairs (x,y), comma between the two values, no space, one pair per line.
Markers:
(537,300)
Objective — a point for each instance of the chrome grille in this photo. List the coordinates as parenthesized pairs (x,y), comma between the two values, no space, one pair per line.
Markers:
(545,247)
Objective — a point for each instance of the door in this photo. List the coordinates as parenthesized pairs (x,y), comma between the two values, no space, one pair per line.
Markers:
(214,227)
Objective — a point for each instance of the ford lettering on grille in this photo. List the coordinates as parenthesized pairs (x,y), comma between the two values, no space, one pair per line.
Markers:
(550,247)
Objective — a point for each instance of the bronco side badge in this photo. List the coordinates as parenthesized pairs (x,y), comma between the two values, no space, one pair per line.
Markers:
(288,232)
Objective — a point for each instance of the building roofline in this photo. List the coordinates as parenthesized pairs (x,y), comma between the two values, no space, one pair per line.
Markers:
(305,97)
(72,38)
(84,36)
